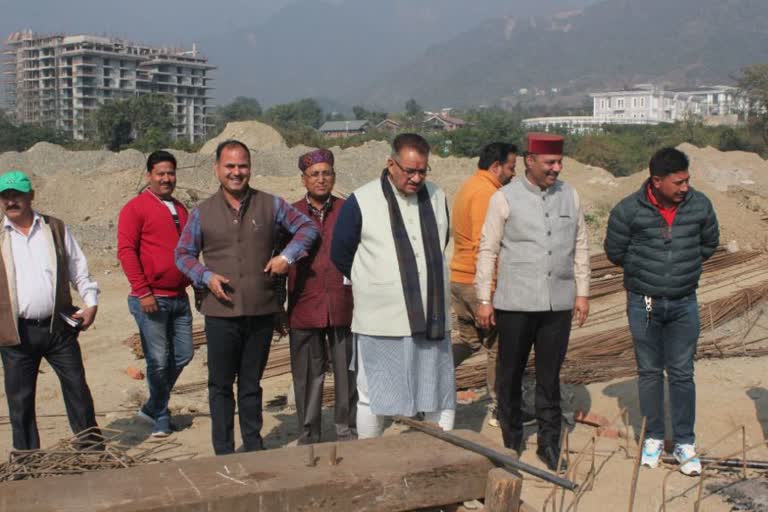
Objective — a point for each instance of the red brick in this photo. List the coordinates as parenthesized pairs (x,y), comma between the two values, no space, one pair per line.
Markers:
(134,373)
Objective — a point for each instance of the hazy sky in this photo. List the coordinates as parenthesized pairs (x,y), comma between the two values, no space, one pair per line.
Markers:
(276,50)
(169,22)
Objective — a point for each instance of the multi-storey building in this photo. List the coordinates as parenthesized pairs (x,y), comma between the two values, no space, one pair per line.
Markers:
(59,80)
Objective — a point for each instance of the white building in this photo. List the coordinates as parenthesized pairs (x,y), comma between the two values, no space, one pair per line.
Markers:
(59,80)
(647,104)
(657,104)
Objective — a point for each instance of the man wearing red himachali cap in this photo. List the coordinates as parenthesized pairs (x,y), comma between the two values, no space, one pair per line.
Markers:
(535,226)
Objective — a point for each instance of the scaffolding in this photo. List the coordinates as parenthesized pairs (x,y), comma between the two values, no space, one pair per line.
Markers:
(58,80)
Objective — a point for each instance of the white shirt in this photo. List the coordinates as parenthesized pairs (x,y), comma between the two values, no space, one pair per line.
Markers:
(36,273)
(170,206)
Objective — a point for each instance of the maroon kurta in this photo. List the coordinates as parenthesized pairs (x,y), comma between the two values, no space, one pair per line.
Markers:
(317,296)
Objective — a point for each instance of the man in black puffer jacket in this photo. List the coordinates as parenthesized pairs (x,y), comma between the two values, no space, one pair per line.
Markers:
(661,235)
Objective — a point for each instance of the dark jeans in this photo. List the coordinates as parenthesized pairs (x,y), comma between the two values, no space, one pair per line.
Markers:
(238,349)
(21,364)
(166,339)
(309,360)
(666,341)
(547,332)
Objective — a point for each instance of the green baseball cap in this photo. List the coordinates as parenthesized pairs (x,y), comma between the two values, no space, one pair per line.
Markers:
(15,180)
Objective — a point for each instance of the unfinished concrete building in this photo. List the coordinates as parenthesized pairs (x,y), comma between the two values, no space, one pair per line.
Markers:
(59,80)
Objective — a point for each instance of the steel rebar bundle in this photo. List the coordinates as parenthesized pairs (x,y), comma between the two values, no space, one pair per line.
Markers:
(605,354)
(93,449)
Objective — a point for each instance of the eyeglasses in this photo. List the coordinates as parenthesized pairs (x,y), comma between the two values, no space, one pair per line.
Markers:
(411,172)
(320,174)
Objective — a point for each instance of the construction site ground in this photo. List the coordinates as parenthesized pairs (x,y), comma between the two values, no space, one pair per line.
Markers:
(86,189)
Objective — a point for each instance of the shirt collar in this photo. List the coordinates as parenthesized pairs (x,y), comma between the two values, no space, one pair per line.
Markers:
(243,201)
(535,188)
(149,191)
(326,206)
(8,225)
(488,175)
(654,201)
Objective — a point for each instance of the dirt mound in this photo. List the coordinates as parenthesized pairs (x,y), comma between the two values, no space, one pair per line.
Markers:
(727,169)
(257,136)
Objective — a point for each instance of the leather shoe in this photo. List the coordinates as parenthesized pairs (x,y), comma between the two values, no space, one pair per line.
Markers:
(549,456)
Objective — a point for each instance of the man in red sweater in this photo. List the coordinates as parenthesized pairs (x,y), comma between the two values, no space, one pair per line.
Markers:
(320,312)
(148,230)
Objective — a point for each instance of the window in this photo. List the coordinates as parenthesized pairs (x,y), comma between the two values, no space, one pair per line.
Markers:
(620,103)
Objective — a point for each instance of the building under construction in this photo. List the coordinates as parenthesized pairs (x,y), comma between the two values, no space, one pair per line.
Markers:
(59,80)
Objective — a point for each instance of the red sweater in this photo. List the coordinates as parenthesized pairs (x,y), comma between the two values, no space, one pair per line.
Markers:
(146,239)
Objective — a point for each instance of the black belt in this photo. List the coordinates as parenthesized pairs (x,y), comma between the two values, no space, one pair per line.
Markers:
(41,322)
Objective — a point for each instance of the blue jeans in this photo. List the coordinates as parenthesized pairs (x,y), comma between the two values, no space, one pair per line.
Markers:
(166,338)
(666,341)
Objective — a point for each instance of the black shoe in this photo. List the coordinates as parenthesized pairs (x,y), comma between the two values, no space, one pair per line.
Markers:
(549,456)
(528,418)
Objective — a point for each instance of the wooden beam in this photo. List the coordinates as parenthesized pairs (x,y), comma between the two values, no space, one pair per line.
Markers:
(502,491)
(393,473)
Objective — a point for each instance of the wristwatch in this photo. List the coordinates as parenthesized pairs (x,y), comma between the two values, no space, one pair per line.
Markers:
(287,260)
(484,302)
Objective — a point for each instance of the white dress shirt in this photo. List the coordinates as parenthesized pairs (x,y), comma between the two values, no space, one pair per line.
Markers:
(36,273)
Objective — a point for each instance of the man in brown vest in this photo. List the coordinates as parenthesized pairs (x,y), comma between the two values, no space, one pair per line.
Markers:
(39,259)
(320,312)
(235,230)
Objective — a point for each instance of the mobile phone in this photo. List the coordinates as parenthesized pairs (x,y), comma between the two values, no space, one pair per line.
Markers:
(75,323)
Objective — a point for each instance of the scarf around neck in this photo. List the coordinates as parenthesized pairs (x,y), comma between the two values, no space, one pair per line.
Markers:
(433,325)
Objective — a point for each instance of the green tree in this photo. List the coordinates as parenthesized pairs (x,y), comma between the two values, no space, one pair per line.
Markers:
(753,84)
(303,112)
(363,114)
(15,137)
(145,121)
(335,116)
(484,126)
(241,109)
(413,110)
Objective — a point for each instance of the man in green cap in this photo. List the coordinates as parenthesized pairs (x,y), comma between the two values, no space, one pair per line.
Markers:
(39,259)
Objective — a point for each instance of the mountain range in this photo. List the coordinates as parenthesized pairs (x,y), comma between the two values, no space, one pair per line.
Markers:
(311,48)
(609,44)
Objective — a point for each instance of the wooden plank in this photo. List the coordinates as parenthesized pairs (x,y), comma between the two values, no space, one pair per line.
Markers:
(502,491)
(404,472)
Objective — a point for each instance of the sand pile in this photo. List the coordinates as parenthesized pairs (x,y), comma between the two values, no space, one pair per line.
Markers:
(255,135)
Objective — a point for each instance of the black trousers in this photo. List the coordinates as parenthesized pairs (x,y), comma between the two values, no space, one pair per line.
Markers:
(548,333)
(238,349)
(309,360)
(21,364)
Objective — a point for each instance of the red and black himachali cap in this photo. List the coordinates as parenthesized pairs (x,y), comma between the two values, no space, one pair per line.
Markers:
(318,156)
(545,144)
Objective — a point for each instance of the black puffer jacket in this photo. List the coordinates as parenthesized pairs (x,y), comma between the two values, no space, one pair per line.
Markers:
(658,260)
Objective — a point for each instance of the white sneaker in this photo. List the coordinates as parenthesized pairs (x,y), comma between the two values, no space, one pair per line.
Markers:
(651,452)
(690,464)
